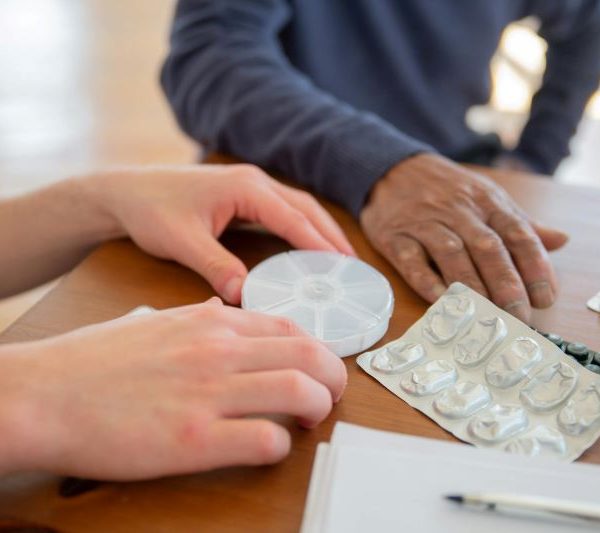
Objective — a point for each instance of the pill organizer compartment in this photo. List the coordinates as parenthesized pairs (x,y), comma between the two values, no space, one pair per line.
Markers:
(338,299)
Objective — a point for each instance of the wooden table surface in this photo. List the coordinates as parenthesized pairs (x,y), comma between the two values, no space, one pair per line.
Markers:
(117,277)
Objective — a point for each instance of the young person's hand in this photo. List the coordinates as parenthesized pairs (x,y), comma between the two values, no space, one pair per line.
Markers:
(179,212)
(162,394)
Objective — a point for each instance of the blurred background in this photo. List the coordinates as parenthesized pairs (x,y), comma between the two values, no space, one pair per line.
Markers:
(79,91)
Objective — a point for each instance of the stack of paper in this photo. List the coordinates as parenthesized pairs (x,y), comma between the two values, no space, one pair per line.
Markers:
(367,480)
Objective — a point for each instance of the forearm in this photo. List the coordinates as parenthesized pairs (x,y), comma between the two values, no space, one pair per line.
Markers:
(572,75)
(45,233)
(16,417)
(233,89)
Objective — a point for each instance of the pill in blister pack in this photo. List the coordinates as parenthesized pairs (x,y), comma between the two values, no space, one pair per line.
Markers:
(398,357)
(480,341)
(463,399)
(582,412)
(491,380)
(498,423)
(512,364)
(542,440)
(429,378)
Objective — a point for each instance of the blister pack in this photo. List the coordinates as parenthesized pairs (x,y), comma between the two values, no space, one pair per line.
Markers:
(490,379)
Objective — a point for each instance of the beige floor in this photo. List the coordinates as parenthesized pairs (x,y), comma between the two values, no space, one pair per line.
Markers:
(78,91)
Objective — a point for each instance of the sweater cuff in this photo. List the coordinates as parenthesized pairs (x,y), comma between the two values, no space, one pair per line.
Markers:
(356,159)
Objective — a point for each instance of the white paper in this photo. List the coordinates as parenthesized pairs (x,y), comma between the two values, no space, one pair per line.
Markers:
(374,481)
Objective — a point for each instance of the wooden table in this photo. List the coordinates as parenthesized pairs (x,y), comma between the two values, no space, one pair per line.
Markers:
(117,277)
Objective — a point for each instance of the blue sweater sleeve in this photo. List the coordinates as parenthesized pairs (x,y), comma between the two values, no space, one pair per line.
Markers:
(572,31)
(232,89)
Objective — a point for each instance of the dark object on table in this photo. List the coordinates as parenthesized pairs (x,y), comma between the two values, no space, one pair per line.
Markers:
(74,486)
(577,350)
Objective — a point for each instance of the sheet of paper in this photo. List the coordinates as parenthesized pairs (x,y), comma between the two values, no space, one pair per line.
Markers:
(375,481)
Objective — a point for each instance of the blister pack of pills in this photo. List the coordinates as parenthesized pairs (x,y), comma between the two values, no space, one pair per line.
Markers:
(490,379)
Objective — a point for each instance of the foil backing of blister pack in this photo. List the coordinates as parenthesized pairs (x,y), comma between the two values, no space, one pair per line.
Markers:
(490,380)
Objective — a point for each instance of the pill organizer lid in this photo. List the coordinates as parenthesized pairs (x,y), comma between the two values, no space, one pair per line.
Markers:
(338,299)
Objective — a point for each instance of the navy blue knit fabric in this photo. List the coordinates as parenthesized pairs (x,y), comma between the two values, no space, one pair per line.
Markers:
(333,93)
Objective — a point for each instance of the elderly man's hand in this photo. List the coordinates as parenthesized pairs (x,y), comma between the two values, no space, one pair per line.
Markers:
(429,210)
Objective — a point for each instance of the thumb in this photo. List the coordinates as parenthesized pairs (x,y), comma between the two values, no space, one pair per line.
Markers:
(201,252)
(551,238)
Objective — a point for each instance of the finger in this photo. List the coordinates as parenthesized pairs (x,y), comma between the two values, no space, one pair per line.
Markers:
(246,442)
(215,300)
(409,258)
(551,238)
(447,249)
(529,256)
(495,266)
(288,392)
(199,250)
(267,207)
(254,324)
(304,354)
(319,216)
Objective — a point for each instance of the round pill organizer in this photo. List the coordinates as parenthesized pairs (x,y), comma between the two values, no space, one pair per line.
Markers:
(338,299)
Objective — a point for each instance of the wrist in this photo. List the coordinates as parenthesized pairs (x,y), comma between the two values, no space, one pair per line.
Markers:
(416,163)
(17,417)
(95,193)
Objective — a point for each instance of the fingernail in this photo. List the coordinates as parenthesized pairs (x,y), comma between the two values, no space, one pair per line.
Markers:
(232,289)
(541,294)
(519,309)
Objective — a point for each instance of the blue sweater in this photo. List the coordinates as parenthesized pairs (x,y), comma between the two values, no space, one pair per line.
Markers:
(333,93)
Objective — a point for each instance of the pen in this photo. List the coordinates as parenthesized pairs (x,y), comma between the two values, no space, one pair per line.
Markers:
(529,505)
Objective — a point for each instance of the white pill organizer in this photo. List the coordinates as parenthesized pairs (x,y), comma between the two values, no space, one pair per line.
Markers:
(340,300)
(491,380)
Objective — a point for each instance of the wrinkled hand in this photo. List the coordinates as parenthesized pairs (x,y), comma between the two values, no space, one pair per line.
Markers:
(179,212)
(162,394)
(428,209)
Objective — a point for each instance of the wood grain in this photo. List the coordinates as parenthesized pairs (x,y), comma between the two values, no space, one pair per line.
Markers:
(117,277)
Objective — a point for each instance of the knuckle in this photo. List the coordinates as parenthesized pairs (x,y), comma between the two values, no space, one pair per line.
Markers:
(295,219)
(307,197)
(518,234)
(296,384)
(220,266)
(421,281)
(188,357)
(310,350)
(449,245)
(268,442)
(423,227)
(286,326)
(465,276)
(247,171)
(508,280)
(202,311)
(193,433)
(406,249)
(487,242)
